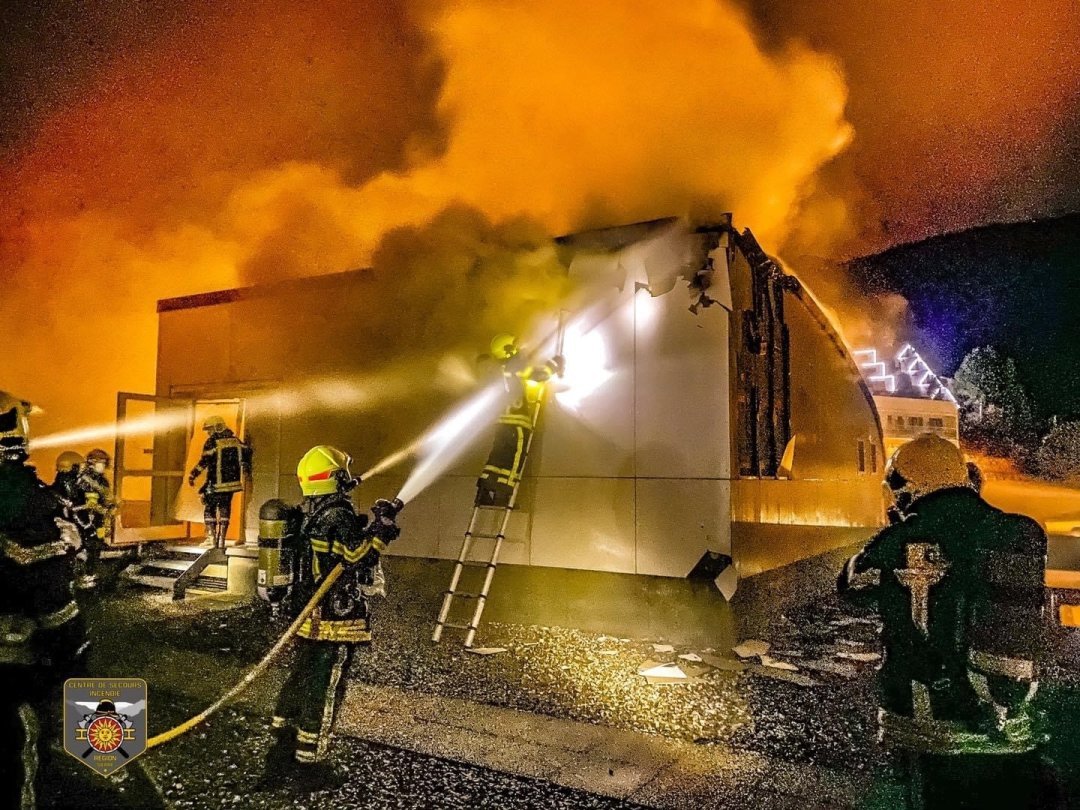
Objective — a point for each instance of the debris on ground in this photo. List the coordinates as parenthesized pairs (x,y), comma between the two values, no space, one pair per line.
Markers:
(726,664)
(775,663)
(486,650)
(752,648)
(859,656)
(666,672)
(663,648)
(782,675)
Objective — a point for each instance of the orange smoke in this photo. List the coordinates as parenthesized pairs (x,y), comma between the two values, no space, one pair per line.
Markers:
(272,141)
(965,113)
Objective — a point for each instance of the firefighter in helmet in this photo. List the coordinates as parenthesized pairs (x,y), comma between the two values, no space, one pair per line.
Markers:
(227,463)
(959,586)
(524,385)
(65,483)
(42,636)
(331,533)
(95,509)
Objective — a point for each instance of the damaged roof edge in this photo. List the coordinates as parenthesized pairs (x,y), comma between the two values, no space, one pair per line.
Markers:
(610,239)
(209,299)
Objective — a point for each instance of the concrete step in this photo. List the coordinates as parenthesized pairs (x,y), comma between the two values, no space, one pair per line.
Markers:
(209,584)
(165,583)
(150,581)
(179,566)
(184,551)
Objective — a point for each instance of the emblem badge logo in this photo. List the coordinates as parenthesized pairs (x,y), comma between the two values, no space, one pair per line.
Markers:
(105,721)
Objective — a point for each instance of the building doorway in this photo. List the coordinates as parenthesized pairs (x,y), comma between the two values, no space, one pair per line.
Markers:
(158,440)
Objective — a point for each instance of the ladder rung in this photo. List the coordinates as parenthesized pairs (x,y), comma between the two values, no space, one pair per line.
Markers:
(484,536)
(477,563)
(466,595)
(494,508)
(457,626)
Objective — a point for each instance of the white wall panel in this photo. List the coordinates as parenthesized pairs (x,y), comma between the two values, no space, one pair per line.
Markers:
(681,401)
(677,521)
(584,523)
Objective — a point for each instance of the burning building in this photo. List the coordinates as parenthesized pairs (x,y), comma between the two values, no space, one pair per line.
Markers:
(708,406)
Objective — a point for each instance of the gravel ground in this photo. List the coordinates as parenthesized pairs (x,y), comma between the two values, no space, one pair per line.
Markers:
(566,673)
(220,766)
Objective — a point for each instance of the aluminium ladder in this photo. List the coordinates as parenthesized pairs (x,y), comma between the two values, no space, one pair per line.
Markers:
(465,560)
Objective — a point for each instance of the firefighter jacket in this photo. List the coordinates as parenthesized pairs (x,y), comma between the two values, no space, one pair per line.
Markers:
(226,460)
(38,613)
(959,586)
(524,382)
(94,505)
(331,533)
(66,488)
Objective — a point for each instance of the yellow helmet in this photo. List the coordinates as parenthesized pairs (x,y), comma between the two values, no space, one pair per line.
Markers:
(14,427)
(68,461)
(214,424)
(503,346)
(324,470)
(924,465)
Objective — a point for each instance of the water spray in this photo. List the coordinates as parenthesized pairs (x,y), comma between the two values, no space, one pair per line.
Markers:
(444,443)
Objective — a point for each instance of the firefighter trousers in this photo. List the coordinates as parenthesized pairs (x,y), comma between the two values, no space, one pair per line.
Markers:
(217,511)
(310,698)
(505,464)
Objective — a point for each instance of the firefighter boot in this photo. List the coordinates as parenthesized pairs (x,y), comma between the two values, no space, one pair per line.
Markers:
(220,533)
(211,534)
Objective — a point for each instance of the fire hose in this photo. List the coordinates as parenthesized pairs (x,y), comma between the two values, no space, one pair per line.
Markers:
(256,670)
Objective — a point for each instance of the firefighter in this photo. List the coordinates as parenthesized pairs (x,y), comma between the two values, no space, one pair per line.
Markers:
(959,586)
(525,388)
(94,508)
(42,635)
(227,462)
(332,532)
(68,465)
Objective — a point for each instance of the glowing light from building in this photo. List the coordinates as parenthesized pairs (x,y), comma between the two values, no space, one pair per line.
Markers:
(587,370)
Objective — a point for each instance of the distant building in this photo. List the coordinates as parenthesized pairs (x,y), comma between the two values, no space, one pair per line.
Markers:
(910,398)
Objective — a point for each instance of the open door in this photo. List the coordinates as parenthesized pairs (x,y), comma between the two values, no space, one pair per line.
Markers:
(158,440)
(152,438)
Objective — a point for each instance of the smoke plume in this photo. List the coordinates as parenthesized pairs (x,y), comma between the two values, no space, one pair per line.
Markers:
(429,142)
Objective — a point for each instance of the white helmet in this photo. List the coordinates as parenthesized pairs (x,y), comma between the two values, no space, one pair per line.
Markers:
(924,465)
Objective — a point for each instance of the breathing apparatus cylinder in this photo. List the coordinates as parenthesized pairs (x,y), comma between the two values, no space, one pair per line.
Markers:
(279,526)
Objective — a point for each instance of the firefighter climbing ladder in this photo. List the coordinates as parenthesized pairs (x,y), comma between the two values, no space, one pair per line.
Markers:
(465,558)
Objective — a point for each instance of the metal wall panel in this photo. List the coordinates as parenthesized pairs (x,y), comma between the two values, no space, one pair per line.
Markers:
(682,397)
(678,520)
(584,523)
